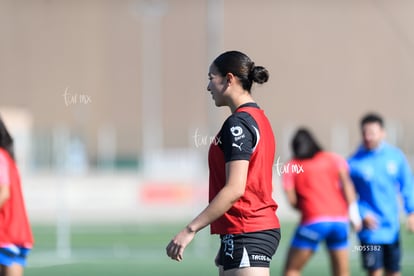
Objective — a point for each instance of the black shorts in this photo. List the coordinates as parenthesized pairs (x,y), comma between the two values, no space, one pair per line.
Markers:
(253,249)
(379,256)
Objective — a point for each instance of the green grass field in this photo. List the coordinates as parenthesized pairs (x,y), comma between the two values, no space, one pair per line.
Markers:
(140,250)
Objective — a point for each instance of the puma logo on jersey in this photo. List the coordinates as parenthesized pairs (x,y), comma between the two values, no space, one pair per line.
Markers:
(237,146)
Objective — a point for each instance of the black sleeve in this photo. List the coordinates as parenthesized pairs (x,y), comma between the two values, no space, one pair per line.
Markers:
(239,136)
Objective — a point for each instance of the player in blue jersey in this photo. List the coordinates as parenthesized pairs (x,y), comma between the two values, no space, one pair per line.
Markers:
(381,173)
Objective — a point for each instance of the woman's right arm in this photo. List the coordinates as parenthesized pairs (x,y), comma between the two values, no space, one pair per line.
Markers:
(350,197)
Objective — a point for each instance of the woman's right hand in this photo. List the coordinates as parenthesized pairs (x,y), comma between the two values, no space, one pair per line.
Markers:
(370,222)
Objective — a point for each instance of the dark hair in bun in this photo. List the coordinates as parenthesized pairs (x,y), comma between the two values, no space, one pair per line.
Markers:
(241,66)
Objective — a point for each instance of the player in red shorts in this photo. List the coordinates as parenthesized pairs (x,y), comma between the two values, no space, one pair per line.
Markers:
(16,238)
(321,190)
(241,209)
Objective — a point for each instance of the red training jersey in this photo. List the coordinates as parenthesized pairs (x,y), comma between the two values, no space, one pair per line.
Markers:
(256,209)
(14,223)
(318,187)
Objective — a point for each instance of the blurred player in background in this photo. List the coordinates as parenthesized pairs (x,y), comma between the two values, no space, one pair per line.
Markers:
(317,184)
(241,208)
(380,172)
(16,238)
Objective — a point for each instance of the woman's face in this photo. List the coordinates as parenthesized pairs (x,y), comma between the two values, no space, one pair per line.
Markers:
(217,85)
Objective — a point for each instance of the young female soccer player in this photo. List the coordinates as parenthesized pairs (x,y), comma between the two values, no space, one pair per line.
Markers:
(322,192)
(16,238)
(241,208)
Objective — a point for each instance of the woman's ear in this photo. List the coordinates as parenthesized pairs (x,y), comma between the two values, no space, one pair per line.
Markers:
(230,78)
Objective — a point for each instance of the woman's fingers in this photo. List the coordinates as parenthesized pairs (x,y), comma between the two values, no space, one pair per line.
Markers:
(175,251)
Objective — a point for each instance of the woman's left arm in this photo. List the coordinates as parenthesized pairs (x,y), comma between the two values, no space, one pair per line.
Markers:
(236,178)
(4,193)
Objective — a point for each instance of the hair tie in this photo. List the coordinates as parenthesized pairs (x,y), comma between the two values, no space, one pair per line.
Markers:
(252,66)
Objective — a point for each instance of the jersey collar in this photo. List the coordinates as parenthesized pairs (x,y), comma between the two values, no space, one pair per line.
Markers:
(362,148)
(250,104)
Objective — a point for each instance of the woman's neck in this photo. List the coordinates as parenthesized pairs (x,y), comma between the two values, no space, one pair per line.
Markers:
(240,100)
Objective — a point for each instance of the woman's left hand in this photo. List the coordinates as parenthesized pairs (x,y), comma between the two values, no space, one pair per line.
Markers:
(175,249)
